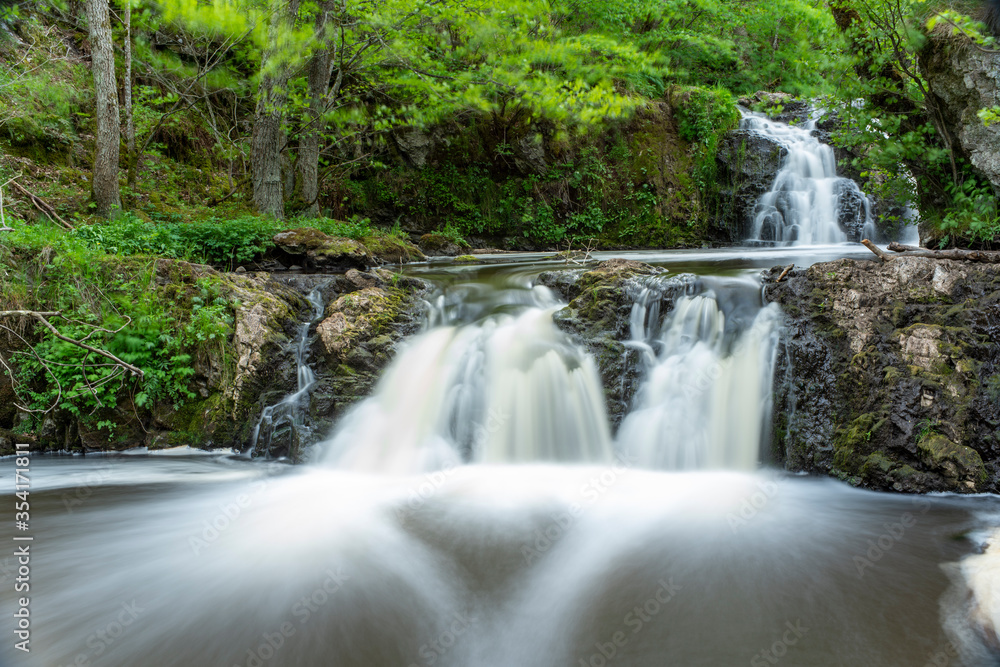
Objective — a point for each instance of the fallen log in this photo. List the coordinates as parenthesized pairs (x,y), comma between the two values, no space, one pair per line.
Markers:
(957,254)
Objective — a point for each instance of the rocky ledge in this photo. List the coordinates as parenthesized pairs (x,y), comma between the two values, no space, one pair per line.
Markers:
(889,373)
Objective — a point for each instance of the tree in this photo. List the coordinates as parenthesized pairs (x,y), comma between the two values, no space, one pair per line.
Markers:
(319,71)
(105,190)
(127,94)
(268,127)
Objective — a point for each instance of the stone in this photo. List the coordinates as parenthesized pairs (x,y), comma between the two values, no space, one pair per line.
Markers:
(878,357)
(313,249)
(962,79)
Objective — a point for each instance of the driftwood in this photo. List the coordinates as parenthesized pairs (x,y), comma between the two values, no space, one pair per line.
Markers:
(965,255)
(41,205)
(875,249)
(785,273)
(901,250)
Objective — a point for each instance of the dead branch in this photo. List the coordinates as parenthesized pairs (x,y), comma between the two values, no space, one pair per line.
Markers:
(957,254)
(41,205)
(43,317)
(784,273)
(875,249)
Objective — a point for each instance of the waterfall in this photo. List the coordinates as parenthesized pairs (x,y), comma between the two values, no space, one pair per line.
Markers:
(706,399)
(289,412)
(808,203)
(492,380)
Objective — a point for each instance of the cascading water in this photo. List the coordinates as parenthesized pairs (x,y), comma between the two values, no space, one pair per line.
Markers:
(289,412)
(706,399)
(808,203)
(488,382)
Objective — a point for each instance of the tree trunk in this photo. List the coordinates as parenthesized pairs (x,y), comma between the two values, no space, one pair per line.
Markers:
(105,190)
(307,163)
(268,131)
(127,85)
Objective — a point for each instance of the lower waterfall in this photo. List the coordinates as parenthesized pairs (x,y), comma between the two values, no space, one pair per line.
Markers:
(507,387)
(706,399)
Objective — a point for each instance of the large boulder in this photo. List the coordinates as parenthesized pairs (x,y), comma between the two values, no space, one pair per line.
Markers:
(312,249)
(891,373)
(962,79)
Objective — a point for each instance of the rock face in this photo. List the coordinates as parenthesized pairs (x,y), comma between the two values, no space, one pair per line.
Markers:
(891,373)
(746,165)
(963,79)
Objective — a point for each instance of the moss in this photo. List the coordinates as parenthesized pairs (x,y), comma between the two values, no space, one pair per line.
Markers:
(850,444)
(392,250)
(941,453)
(876,463)
(466,258)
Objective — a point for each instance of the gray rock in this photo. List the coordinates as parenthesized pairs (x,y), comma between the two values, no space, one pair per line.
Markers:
(962,80)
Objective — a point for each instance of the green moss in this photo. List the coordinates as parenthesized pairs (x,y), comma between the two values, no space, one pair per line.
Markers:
(466,258)
(938,451)
(392,249)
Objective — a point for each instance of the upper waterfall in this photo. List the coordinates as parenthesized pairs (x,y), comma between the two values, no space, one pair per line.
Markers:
(808,203)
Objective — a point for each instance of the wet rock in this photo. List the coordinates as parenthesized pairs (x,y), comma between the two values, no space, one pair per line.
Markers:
(778,106)
(889,373)
(597,318)
(746,166)
(358,338)
(393,250)
(852,209)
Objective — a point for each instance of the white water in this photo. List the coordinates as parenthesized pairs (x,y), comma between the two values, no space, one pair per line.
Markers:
(487,566)
(706,400)
(803,204)
(290,411)
(508,387)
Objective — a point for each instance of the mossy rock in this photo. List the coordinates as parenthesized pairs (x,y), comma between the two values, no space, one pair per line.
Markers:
(466,258)
(439,244)
(393,250)
(958,463)
(313,249)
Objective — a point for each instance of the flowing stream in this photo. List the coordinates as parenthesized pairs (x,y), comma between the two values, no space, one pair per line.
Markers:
(478,511)
(288,416)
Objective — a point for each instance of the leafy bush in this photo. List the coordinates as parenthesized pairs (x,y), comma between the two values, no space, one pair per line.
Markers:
(225,242)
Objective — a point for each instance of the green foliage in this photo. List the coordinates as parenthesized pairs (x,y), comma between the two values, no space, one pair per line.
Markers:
(888,123)
(224,242)
(113,304)
(973,213)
